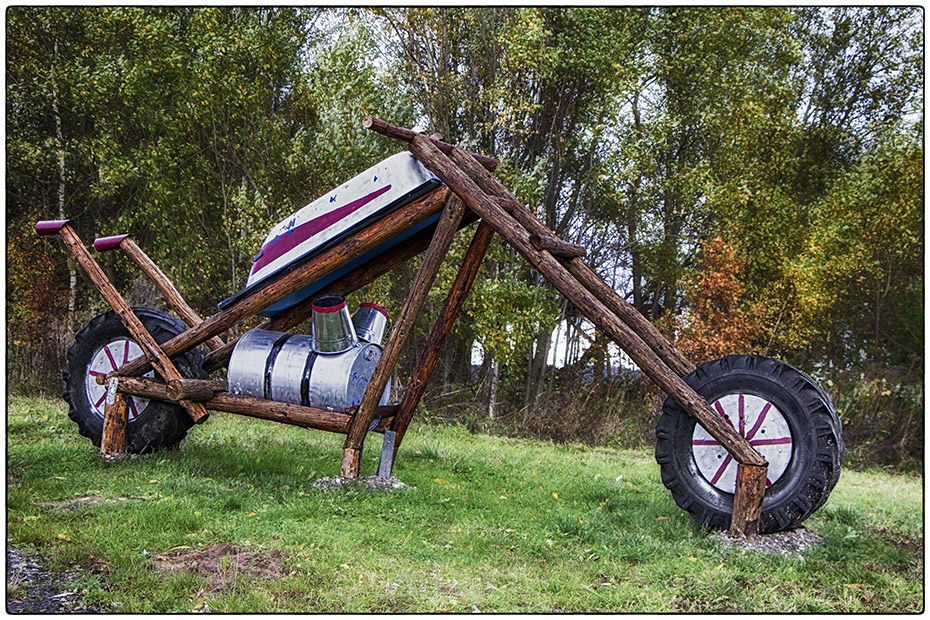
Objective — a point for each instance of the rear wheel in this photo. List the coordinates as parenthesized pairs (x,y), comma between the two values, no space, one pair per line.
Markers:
(102,347)
(783,415)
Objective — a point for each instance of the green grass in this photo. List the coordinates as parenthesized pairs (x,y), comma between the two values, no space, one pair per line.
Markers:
(496,524)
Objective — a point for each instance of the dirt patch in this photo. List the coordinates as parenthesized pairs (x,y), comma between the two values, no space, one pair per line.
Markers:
(31,588)
(222,564)
(905,543)
(375,483)
(788,542)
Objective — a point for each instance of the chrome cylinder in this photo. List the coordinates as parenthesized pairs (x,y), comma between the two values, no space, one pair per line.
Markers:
(331,325)
(286,368)
(370,322)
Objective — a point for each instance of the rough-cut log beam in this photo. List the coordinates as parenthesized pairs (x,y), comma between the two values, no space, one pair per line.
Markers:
(747,501)
(194,389)
(115,420)
(352,281)
(164,285)
(437,338)
(152,351)
(334,258)
(286,413)
(406,135)
(577,267)
(557,247)
(584,300)
(400,331)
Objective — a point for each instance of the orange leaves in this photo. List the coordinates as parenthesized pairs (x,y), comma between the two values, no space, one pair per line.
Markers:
(717,323)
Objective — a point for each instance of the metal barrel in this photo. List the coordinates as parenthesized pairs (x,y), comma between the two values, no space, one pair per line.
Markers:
(331,325)
(370,322)
(286,368)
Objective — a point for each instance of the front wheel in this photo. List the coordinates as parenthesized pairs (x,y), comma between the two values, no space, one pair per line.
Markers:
(782,414)
(103,346)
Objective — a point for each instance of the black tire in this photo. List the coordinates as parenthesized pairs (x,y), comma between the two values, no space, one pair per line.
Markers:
(104,345)
(804,457)
(837,423)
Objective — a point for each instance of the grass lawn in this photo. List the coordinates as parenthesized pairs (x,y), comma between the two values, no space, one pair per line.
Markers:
(493,524)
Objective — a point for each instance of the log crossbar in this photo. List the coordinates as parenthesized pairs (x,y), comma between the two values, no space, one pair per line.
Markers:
(285,413)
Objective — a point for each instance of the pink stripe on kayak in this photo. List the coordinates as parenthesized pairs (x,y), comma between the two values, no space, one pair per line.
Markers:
(284,243)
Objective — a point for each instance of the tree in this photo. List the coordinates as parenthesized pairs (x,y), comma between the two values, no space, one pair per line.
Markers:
(717,322)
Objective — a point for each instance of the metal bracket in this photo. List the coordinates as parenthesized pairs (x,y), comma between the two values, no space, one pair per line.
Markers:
(111,390)
(387,455)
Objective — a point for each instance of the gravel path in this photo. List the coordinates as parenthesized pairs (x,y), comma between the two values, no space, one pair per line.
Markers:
(34,589)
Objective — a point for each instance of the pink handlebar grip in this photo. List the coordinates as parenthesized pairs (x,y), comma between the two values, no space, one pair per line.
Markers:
(108,243)
(50,227)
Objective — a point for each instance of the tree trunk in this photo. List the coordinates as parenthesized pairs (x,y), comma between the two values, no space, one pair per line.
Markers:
(493,372)
(59,136)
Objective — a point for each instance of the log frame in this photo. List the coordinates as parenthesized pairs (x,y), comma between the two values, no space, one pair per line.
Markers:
(469,186)
(153,353)
(589,305)
(455,298)
(419,290)
(285,413)
(115,421)
(747,500)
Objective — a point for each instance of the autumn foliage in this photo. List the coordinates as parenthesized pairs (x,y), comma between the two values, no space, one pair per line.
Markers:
(716,322)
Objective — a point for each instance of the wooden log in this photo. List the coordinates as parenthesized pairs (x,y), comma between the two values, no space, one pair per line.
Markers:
(334,258)
(557,247)
(456,297)
(193,389)
(297,415)
(747,500)
(400,331)
(582,272)
(153,353)
(584,300)
(352,281)
(115,421)
(406,135)
(351,463)
(167,289)
(285,413)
